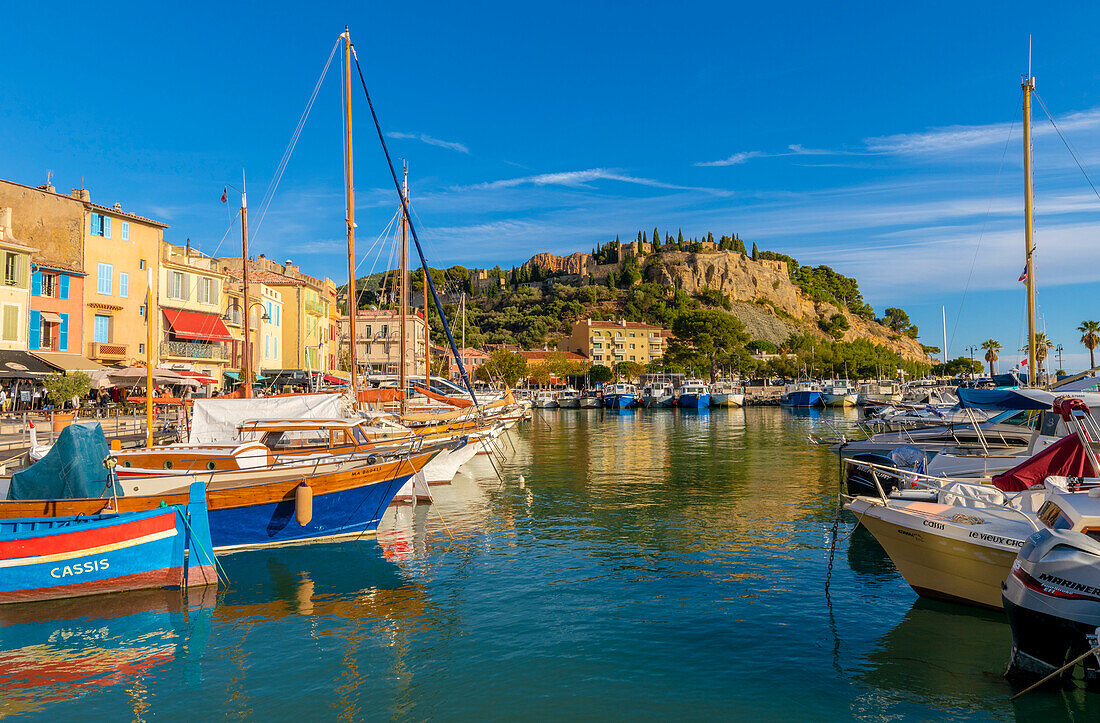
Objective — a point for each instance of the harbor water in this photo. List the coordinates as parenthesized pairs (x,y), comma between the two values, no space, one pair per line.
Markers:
(650,564)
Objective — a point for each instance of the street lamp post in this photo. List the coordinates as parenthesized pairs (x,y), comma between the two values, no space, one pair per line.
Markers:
(246,358)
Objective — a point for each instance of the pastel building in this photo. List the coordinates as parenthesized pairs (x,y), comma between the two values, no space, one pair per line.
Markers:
(195,337)
(15,289)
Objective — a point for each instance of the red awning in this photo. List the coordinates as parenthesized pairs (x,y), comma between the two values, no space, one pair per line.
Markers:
(194,325)
(334,380)
(198,376)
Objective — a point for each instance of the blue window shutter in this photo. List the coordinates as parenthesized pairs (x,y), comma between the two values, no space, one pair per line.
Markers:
(36,283)
(34,339)
(124,285)
(63,335)
(63,292)
(106,227)
(125,231)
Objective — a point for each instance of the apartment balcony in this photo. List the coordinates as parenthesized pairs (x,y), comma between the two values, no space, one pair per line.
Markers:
(314,308)
(203,350)
(106,351)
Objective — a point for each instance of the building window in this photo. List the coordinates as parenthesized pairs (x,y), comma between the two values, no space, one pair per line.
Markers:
(11,269)
(141,348)
(207,290)
(141,264)
(177,288)
(124,285)
(386,331)
(105,279)
(141,311)
(102,329)
(368,330)
(11,322)
(100,225)
(125,231)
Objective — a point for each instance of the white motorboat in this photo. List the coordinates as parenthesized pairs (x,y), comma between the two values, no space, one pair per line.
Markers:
(839,394)
(569,398)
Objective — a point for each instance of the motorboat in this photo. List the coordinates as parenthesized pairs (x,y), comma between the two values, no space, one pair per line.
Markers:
(839,394)
(957,539)
(590,399)
(1052,595)
(694,394)
(725,394)
(1011,429)
(878,392)
(569,398)
(545,399)
(620,396)
(803,393)
(657,395)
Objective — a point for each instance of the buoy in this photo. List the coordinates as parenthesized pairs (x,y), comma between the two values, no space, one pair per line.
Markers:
(303,504)
(522,481)
(116,445)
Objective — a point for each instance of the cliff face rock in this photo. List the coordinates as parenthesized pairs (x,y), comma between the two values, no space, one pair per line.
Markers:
(577,263)
(745,280)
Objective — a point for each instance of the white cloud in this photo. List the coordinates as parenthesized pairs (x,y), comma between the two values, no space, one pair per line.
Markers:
(580,179)
(425,138)
(735,160)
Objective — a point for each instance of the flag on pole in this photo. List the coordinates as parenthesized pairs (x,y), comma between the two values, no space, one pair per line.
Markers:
(225,194)
(1023,363)
(1023,274)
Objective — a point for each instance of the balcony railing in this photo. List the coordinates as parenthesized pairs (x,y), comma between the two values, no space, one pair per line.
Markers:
(106,351)
(194,350)
(314,308)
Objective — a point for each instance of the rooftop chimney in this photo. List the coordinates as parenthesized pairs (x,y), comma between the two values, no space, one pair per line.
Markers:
(5,225)
(118,206)
(81,194)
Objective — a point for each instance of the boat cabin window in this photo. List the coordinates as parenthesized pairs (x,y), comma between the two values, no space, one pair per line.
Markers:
(295,439)
(1052,516)
(1048,425)
(1093,532)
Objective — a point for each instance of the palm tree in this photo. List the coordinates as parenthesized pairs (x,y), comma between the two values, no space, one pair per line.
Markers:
(991,346)
(1090,337)
(1042,344)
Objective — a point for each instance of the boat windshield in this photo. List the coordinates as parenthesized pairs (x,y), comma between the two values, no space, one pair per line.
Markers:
(1052,516)
(1024,418)
(295,439)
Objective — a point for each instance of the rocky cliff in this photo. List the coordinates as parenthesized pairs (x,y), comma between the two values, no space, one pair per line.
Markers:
(761,292)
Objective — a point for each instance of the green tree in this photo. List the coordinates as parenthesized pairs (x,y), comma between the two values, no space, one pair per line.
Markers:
(755,252)
(679,238)
(705,339)
(1042,346)
(1090,337)
(506,365)
(991,346)
(629,370)
(599,374)
(61,388)
(896,319)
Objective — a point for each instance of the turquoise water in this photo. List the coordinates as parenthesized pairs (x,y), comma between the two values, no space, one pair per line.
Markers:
(651,565)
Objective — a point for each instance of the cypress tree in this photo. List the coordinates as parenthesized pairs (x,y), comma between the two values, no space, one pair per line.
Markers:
(679,238)
(710,237)
(656,236)
(755,252)
(643,237)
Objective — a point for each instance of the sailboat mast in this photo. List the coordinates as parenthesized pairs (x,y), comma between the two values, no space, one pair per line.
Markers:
(349,196)
(1029,247)
(427,338)
(404,283)
(246,368)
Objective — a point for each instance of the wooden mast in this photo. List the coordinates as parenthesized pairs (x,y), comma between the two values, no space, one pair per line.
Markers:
(349,195)
(149,361)
(246,368)
(1029,247)
(404,285)
(427,338)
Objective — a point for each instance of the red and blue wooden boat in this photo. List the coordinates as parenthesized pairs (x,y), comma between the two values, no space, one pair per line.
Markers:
(57,557)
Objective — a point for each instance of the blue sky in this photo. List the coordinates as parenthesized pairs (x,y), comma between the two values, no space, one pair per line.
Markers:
(869,137)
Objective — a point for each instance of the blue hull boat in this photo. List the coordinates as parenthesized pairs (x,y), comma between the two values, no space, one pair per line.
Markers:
(803,398)
(620,401)
(58,557)
(695,401)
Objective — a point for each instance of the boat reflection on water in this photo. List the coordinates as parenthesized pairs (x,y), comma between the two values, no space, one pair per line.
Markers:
(62,649)
(351,579)
(953,657)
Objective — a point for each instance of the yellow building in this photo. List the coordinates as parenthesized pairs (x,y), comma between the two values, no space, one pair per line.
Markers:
(304,322)
(120,250)
(15,292)
(195,337)
(611,342)
(378,336)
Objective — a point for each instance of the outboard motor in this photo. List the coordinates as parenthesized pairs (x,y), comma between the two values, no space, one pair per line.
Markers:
(1052,597)
(858,479)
